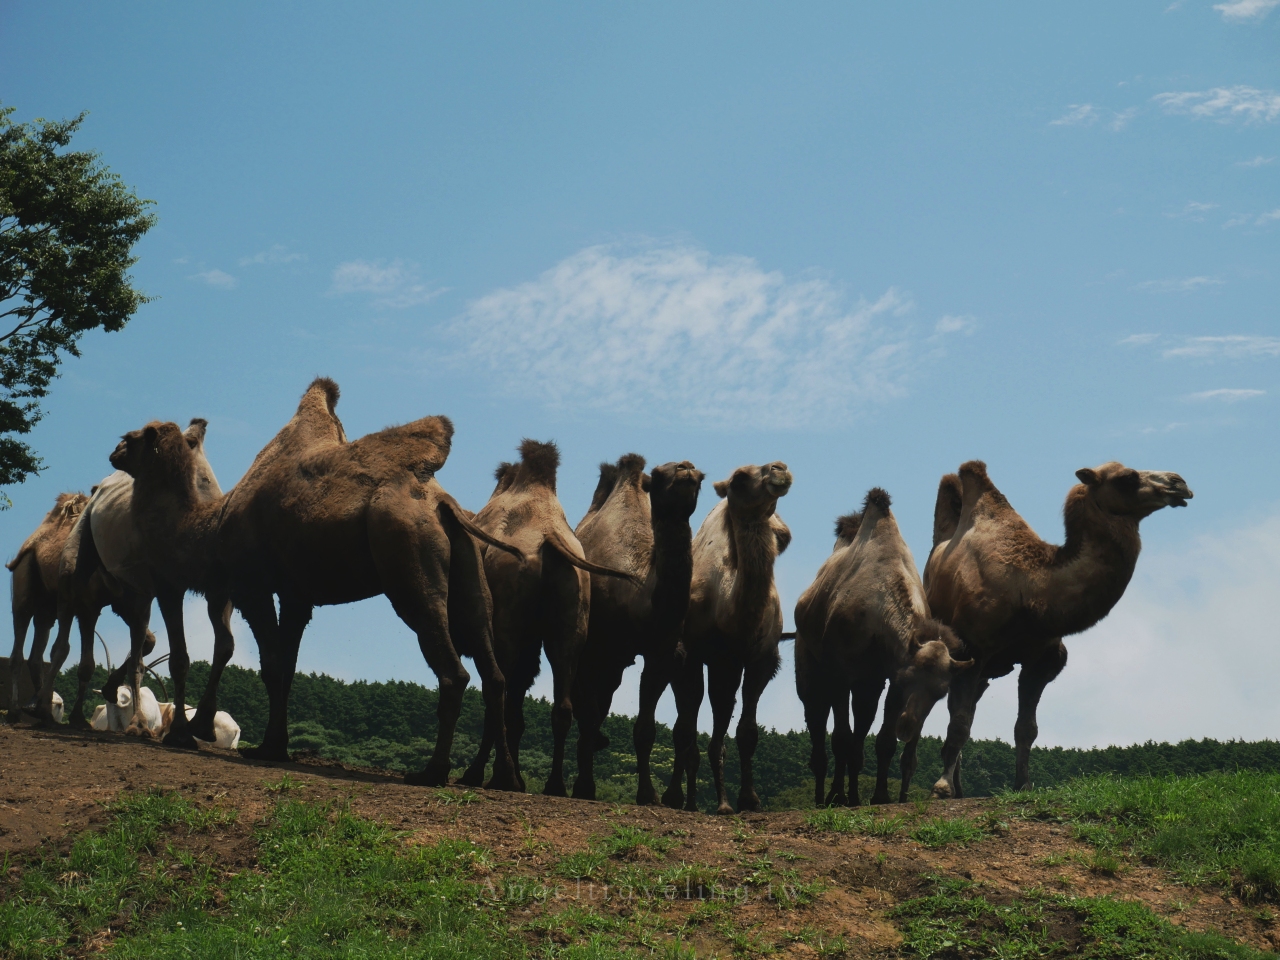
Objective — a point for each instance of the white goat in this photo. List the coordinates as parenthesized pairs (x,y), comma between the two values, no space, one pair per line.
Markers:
(117,716)
(226,732)
(57,707)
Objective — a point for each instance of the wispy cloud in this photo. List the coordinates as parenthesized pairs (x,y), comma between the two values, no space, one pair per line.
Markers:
(1233,347)
(672,331)
(951,323)
(1122,118)
(1258,161)
(395,285)
(274,254)
(1226,395)
(1224,103)
(1269,217)
(1078,114)
(216,278)
(1193,211)
(1178,284)
(1238,10)
(1140,339)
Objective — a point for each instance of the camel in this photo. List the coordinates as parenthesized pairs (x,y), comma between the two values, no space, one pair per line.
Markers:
(319,520)
(39,592)
(864,621)
(539,603)
(637,522)
(1011,597)
(106,545)
(733,627)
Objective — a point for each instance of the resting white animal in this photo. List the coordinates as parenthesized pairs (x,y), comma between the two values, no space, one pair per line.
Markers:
(158,717)
(57,707)
(116,716)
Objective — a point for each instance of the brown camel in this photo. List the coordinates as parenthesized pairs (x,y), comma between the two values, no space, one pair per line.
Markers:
(733,626)
(318,520)
(40,593)
(103,561)
(637,522)
(539,603)
(863,622)
(1011,597)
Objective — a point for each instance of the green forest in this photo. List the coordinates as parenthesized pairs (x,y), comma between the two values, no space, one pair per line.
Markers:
(392,726)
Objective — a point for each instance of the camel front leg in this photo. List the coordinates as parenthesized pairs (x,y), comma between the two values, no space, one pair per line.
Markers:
(654,680)
(42,701)
(887,743)
(723,680)
(1032,679)
(841,745)
(966,690)
(259,611)
(908,768)
(866,698)
(756,677)
(687,685)
(170,602)
(22,616)
(224,645)
(816,710)
(88,620)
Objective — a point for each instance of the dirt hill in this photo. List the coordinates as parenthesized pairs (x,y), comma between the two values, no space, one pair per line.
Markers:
(758,883)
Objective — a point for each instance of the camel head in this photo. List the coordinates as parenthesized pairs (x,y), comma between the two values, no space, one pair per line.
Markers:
(673,489)
(926,678)
(206,482)
(159,452)
(753,491)
(1117,489)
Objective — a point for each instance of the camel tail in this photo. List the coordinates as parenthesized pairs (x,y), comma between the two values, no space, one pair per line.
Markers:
(556,543)
(466,523)
(946,512)
(787,635)
(13,564)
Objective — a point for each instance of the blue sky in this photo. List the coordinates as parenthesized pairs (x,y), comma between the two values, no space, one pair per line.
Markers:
(870,242)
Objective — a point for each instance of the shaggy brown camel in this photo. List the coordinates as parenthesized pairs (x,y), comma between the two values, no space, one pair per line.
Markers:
(637,522)
(106,545)
(1011,597)
(318,520)
(733,626)
(539,603)
(39,593)
(863,622)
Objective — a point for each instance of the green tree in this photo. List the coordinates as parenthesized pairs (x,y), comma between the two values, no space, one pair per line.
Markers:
(67,228)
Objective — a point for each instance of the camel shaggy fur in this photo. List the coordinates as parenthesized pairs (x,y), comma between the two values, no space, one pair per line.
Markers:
(1011,597)
(637,522)
(541,600)
(864,621)
(319,520)
(732,627)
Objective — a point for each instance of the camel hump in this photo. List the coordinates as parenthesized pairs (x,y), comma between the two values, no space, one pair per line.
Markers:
(946,511)
(878,498)
(604,486)
(539,461)
(630,466)
(847,527)
(330,390)
(628,469)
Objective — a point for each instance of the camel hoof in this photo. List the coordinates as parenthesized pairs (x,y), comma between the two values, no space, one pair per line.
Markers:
(879,798)
(941,790)
(472,778)
(79,722)
(724,810)
(555,789)
(748,802)
(426,777)
(505,781)
(182,739)
(673,799)
(646,796)
(584,789)
(264,752)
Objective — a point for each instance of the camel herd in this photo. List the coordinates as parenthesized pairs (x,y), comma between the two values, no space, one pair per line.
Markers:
(318,519)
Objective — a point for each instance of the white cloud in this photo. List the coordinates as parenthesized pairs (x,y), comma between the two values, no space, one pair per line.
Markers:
(1258,161)
(1193,211)
(1233,347)
(216,278)
(1224,103)
(1238,10)
(628,331)
(1235,222)
(1077,114)
(1122,118)
(950,323)
(276,253)
(1178,284)
(1226,395)
(1140,339)
(1266,218)
(394,285)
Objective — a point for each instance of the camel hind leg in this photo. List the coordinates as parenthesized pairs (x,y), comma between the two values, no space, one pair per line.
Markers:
(887,743)
(962,702)
(88,621)
(723,680)
(224,645)
(756,677)
(567,599)
(687,684)
(170,602)
(654,680)
(841,744)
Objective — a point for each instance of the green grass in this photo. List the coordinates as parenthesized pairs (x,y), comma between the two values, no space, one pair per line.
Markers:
(955,920)
(836,820)
(940,832)
(1216,828)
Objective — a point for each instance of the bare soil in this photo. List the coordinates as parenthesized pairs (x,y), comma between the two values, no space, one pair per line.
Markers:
(54,784)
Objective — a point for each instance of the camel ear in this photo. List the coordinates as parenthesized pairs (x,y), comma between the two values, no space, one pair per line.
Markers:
(722,488)
(1088,476)
(195,432)
(150,436)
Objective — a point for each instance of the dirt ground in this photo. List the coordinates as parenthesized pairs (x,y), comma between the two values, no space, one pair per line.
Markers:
(53,785)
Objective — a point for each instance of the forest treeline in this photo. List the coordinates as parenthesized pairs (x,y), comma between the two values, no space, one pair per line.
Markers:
(392,726)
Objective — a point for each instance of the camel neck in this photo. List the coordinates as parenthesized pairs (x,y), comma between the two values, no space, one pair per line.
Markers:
(1090,571)
(672,567)
(752,551)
